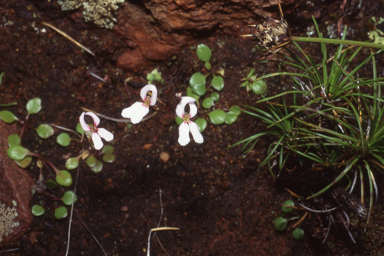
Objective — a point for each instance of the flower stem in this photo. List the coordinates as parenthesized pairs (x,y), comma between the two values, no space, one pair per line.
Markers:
(335,41)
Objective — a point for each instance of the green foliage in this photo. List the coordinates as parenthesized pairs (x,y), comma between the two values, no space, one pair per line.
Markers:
(288,203)
(197,83)
(61,212)
(25,162)
(13,140)
(217,116)
(191,94)
(79,129)
(7,116)
(281,223)
(98,167)
(179,120)
(217,82)
(63,139)
(34,106)
(64,178)
(91,161)
(72,163)
(155,76)
(201,123)
(17,152)
(109,158)
(203,52)
(69,198)
(215,96)
(298,234)
(37,210)
(231,118)
(259,87)
(51,184)
(45,131)
(107,149)
(208,102)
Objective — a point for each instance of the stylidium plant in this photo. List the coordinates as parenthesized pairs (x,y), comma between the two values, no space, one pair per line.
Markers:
(97,133)
(138,110)
(187,125)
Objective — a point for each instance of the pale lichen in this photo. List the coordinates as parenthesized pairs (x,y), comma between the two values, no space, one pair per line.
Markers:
(101,12)
(7,219)
(376,35)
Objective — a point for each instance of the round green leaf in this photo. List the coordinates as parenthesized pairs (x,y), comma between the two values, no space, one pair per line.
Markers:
(298,234)
(191,94)
(217,82)
(208,102)
(13,140)
(25,162)
(259,87)
(231,118)
(63,139)
(107,149)
(215,96)
(199,89)
(37,210)
(289,203)
(45,131)
(79,129)
(235,109)
(201,123)
(72,163)
(68,198)
(61,212)
(218,116)
(197,78)
(208,65)
(34,106)
(281,223)
(91,161)
(244,83)
(98,167)
(64,178)
(109,158)
(203,52)
(179,120)
(7,116)
(17,152)
(51,184)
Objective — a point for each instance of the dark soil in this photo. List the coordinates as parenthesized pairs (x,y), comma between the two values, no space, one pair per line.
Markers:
(220,200)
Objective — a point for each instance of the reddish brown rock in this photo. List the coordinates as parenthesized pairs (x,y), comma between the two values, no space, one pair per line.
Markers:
(15,191)
(160,28)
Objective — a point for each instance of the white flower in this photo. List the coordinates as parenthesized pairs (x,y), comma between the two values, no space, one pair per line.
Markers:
(187,125)
(139,109)
(96,132)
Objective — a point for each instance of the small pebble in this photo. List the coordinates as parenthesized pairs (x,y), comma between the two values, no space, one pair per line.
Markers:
(124,208)
(164,156)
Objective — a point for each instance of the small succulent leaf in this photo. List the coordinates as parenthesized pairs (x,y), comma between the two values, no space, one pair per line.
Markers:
(250,73)
(13,140)
(34,106)
(68,198)
(298,234)
(201,123)
(7,116)
(63,139)
(287,209)
(235,109)
(107,149)
(215,96)
(244,83)
(217,82)
(280,223)
(79,129)
(191,94)
(150,77)
(17,152)
(259,87)
(231,118)
(91,161)
(204,53)
(61,212)
(51,184)
(208,65)
(199,89)
(25,162)
(179,120)
(72,163)
(109,158)
(37,210)
(197,78)
(98,167)
(217,116)
(64,178)
(208,102)
(45,131)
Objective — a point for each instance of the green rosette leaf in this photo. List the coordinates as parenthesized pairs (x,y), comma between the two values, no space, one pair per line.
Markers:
(37,210)
(68,198)
(34,106)
(63,139)
(215,96)
(298,234)
(217,116)
(179,120)
(235,109)
(13,140)
(201,123)
(280,223)
(197,83)
(259,87)
(208,65)
(79,129)
(64,178)
(288,203)
(191,94)
(51,184)
(25,162)
(217,82)
(7,116)
(91,161)
(109,158)
(61,212)
(203,52)
(45,131)
(17,152)
(72,163)
(231,118)
(107,149)
(208,102)
(98,167)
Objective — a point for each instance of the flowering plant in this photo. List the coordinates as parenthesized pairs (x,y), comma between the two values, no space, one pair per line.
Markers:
(97,133)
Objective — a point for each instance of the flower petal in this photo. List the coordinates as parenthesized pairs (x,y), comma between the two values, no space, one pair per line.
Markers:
(180,108)
(96,119)
(129,112)
(83,124)
(108,136)
(194,128)
(97,141)
(138,116)
(192,109)
(144,91)
(183,134)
